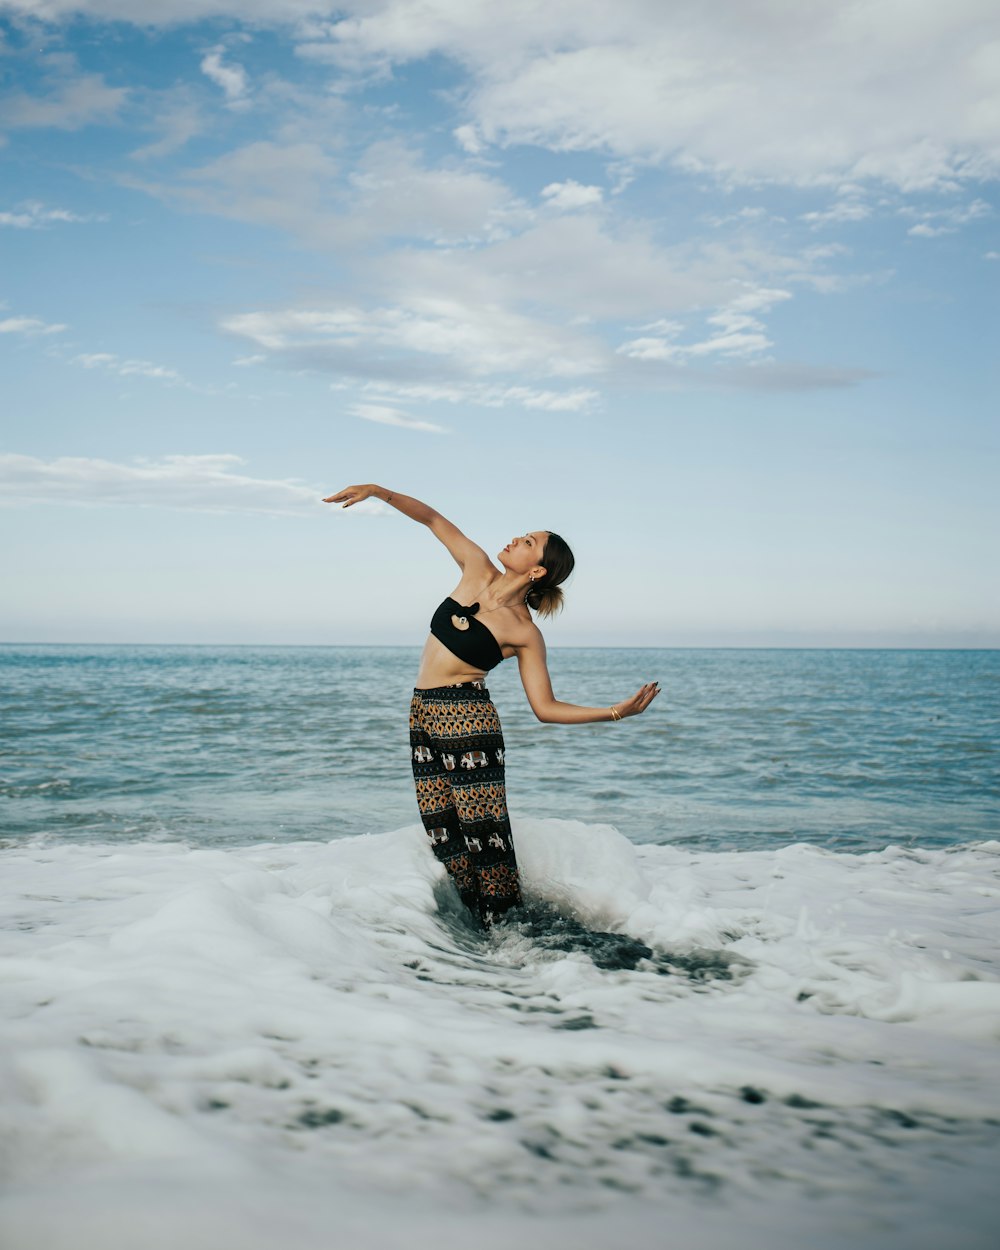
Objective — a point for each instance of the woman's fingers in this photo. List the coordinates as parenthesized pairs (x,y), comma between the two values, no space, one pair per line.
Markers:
(347,496)
(641,699)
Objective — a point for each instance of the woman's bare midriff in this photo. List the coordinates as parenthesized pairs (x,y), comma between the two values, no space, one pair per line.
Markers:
(439,667)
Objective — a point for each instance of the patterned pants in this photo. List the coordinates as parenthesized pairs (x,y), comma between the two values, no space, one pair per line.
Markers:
(456,748)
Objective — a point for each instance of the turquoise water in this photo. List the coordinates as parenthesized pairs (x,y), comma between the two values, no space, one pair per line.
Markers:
(745,749)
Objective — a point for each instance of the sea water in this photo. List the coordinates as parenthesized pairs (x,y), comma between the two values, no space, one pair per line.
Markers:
(753,1000)
(743,750)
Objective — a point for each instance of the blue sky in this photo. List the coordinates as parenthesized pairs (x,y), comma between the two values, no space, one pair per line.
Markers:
(709,289)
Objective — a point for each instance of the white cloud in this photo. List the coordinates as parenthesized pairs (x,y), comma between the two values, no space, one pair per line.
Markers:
(940,221)
(392,416)
(32,215)
(127,368)
(390,192)
(469,139)
(746,89)
(231,78)
(515,288)
(270,183)
(736,332)
(290,186)
(177,121)
(577,399)
(511,297)
(582,266)
(621,175)
(72,104)
(205,483)
(991,255)
(30,326)
(841,211)
(440,337)
(575,281)
(395,193)
(566,196)
(743,215)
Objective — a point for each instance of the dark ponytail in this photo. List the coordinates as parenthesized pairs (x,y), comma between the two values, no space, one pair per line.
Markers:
(544,595)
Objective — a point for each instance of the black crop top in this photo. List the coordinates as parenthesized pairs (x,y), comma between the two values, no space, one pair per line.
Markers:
(476,645)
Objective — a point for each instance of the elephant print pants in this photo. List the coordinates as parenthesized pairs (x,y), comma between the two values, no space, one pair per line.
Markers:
(456,748)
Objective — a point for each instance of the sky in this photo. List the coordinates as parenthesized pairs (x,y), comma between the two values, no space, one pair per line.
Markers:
(708,289)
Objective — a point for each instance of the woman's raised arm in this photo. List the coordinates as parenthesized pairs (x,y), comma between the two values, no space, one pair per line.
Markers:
(463,550)
(537,684)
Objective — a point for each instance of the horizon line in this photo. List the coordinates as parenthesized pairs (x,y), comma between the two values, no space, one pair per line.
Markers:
(390,646)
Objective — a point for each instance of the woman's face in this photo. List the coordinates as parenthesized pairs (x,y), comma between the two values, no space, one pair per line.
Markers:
(524,553)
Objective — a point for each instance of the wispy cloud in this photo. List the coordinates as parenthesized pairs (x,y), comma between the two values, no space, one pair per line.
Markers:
(578,283)
(388,191)
(743,216)
(127,368)
(177,120)
(204,483)
(72,103)
(934,222)
(287,185)
(736,332)
(392,416)
(443,336)
(848,209)
(33,215)
(483,395)
(30,326)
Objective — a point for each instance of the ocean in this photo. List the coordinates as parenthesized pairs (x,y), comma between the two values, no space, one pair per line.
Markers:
(753,999)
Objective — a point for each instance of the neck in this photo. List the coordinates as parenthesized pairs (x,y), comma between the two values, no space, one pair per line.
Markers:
(508,589)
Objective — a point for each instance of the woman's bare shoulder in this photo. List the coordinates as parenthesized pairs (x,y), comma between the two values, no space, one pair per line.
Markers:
(525,633)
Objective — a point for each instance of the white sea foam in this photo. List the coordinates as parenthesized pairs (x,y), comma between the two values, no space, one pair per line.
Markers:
(305,1044)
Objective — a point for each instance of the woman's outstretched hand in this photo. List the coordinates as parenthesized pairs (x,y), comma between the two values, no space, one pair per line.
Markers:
(352,494)
(639,701)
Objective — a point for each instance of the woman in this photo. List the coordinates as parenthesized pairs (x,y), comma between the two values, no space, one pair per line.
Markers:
(456,744)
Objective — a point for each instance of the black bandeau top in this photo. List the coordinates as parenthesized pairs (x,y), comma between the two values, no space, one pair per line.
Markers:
(476,645)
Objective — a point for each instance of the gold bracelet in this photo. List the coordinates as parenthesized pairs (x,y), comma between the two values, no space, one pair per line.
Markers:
(615,714)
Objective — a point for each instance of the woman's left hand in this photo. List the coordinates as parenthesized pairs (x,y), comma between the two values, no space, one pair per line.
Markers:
(639,701)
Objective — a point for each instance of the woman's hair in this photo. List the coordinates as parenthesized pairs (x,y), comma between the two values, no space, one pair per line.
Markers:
(544,596)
